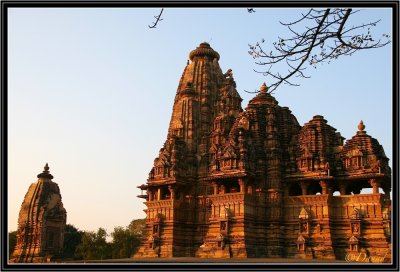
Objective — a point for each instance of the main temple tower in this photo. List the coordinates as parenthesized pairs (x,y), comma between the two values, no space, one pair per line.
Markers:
(232,182)
(175,202)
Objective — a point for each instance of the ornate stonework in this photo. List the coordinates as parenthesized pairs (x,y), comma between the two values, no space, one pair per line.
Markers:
(41,222)
(230,182)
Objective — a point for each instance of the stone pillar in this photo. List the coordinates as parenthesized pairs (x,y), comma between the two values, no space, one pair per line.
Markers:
(375,186)
(242,185)
(215,187)
(324,186)
(342,188)
(222,189)
(329,190)
(304,187)
(159,194)
(250,189)
(172,191)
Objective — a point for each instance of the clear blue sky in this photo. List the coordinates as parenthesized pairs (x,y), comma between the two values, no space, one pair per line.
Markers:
(91,93)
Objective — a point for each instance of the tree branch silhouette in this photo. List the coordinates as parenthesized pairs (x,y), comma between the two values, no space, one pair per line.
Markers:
(158,19)
(324,36)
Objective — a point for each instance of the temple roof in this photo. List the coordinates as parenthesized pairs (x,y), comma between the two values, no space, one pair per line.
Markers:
(211,137)
(204,49)
(42,196)
(364,143)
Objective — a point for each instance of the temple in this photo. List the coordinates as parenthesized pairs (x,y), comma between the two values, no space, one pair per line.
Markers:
(234,183)
(41,222)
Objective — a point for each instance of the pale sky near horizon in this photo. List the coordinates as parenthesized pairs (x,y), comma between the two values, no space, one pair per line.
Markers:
(90,91)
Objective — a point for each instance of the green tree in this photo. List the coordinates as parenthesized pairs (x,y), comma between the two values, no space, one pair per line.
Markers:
(12,241)
(72,238)
(125,243)
(137,227)
(103,248)
(94,246)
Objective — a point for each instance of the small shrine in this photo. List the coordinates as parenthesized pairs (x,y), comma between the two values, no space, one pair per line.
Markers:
(41,222)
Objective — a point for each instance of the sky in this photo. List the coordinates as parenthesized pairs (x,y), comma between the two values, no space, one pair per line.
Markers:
(90,91)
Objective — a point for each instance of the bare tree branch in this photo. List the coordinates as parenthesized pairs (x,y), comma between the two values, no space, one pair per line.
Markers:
(158,18)
(324,36)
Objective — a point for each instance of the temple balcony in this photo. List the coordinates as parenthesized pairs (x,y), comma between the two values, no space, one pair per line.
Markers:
(231,197)
(159,203)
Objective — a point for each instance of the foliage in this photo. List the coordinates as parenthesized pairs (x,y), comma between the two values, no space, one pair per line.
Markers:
(12,241)
(72,238)
(124,243)
(137,227)
(89,245)
(94,246)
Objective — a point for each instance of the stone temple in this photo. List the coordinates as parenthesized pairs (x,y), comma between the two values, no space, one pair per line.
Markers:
(41,222)
(234,183)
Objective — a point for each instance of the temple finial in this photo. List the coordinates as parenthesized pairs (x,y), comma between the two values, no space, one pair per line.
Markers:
(264,88)
(361,126)
(46,173)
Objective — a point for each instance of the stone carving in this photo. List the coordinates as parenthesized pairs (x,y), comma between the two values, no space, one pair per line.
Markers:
(228,73)
(355,228)
(304,226)
(259,164)
(318,228)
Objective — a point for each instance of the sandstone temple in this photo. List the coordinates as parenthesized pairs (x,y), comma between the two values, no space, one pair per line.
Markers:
(41,222)
(236,183)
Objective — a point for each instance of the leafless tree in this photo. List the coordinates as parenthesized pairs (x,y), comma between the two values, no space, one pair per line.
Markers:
(324,36)
(158,19)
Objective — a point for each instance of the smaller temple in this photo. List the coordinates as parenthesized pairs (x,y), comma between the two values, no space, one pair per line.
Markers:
(41,222)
